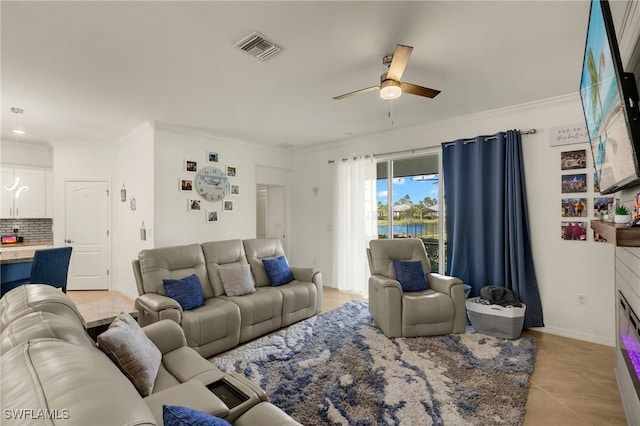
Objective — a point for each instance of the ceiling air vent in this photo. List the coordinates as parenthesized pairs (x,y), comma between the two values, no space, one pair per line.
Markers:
(256,45)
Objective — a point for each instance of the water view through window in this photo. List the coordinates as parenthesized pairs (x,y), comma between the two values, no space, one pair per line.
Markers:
(409,207)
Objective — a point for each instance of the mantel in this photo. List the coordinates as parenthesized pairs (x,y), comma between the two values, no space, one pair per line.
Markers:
(617,234)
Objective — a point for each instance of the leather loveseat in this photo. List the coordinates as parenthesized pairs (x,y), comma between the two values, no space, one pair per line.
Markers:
(53,373)
(223,322)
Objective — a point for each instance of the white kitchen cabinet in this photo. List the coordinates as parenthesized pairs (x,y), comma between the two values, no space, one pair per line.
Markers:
(24,193)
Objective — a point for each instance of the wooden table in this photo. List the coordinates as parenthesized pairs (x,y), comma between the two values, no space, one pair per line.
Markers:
(98,315)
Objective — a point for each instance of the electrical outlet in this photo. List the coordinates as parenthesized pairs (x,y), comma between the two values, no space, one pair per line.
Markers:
(582,300)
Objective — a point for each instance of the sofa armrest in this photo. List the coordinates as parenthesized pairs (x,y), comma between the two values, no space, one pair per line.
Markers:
(166,335)
(311,275)
(154,307)
(454,287)
(303,274)
(385,304)
(443,283)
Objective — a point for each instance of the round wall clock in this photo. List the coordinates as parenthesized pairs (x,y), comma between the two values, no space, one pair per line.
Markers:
(212,184)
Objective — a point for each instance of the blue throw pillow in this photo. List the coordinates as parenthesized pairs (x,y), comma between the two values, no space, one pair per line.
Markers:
(186,291)
(410,275)
(174,415)
(278,271)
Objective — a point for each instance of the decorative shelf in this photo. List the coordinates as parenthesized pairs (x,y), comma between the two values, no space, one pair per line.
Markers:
(617,234)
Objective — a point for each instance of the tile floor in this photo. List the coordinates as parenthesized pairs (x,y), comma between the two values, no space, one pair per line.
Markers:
(572,384)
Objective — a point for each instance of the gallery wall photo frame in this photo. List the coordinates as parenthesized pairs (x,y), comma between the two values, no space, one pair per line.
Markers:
(194,205)
(232,171)
(572,183)
(601,204)
(573,160)
(190,166)
(227,206)
(235,189)
(573,231)
(186,185)
(574,207)
(212,156)
(211,216)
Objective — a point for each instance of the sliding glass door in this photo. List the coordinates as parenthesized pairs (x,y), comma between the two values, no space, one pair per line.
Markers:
(409,204)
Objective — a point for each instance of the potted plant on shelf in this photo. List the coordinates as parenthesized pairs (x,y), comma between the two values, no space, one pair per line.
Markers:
(622,215)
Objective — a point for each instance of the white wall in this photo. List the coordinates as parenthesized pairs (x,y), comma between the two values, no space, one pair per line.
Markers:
(26,154)
(564,268)
(174,224)
(134,169)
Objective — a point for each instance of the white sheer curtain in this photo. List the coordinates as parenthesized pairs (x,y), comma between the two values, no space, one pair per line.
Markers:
(354,222)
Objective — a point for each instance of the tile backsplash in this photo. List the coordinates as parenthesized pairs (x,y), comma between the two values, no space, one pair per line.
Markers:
(29,229)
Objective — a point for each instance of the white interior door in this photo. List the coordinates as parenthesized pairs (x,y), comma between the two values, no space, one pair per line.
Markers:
(87,231)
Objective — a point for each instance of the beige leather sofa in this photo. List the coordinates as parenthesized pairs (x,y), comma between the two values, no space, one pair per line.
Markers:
(223,322)
(53,373)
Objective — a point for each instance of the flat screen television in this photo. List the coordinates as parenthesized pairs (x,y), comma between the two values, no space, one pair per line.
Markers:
(610,104)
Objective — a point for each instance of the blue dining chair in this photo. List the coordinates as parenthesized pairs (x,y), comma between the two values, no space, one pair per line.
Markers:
(51,266)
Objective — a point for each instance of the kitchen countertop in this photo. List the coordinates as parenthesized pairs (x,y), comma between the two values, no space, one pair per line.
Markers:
(20,252)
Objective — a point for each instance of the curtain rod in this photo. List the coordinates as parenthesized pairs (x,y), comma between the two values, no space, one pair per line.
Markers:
(413,151)
(490,138)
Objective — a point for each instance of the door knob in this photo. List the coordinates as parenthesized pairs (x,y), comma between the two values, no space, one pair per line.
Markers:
(68,241)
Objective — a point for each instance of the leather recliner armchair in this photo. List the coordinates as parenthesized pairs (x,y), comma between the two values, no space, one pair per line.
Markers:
(438,310)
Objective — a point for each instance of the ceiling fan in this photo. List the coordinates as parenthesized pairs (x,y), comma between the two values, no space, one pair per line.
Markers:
(390,85)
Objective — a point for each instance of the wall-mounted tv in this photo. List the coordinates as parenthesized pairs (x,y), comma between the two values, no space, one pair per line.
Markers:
(610,104)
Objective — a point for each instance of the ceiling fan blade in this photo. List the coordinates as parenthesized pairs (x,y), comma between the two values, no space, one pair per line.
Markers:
(357,92)
(399,61)
(418,90)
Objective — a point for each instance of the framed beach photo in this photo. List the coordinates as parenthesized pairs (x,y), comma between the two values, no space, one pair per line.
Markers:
(574,183)
(194,205)
(186,185)
(570,160)
(212,156)
(190,166)
(228,206)
(211,216)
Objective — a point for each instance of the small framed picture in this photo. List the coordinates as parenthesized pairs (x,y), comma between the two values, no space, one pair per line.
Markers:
(228,206)
(570,160)
(231,171)
(212,156)
(186,185)
(596,184)
(601,205)
(574,183)
(194,205)
(212,216)
(573,231)
(235,189)
(574,207)
(190,166)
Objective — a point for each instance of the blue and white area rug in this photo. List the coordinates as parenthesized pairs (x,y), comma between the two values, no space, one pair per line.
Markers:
(338,368)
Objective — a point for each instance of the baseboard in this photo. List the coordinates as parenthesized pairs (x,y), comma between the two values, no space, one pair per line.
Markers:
(127,292)
(576,335)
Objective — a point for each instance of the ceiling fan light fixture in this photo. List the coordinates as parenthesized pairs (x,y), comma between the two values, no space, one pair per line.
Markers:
(390,89)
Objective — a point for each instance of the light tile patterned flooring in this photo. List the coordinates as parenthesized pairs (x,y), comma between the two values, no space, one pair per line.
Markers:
(572,384)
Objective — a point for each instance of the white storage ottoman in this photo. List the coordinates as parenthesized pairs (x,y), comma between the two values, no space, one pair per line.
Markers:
(495,320)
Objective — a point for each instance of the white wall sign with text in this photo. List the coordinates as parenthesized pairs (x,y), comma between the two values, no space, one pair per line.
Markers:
(567,135)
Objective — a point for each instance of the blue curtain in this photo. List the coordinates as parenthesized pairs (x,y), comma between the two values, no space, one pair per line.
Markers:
(488,238)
